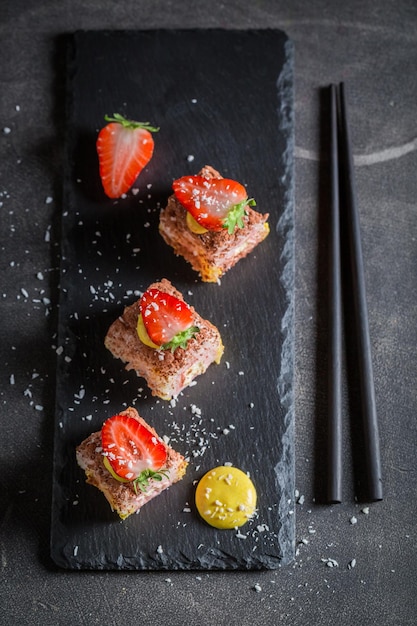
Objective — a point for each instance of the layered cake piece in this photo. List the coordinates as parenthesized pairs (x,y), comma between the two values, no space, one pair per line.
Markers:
(164,340)
(210,221)
(128,462)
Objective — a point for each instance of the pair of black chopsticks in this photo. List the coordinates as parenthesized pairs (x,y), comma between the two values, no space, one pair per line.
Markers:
(342,178)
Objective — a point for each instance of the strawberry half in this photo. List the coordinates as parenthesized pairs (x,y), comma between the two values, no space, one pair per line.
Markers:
(133,451)
(214,203)
(168,321)
(124,147)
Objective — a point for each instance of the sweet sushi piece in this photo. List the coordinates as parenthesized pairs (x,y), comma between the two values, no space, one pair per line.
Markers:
(210,221)
(128,462)
(164,340)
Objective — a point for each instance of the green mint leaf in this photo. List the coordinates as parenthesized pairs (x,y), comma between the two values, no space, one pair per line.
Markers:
(235,216)
(142,480)
(181,339)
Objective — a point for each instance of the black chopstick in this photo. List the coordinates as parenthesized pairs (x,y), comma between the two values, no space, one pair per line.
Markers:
(368,404)
(334,430)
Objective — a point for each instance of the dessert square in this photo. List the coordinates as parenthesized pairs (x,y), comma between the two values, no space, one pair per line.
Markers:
(122,496)
(211,253)
(166,372)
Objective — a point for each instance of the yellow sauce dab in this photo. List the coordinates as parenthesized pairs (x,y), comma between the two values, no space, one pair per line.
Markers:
(194,226)
(225,497)
(143,335)
(111,471)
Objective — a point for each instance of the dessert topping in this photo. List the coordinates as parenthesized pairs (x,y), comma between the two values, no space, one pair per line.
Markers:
(132,453)
(214,203)
(167,320)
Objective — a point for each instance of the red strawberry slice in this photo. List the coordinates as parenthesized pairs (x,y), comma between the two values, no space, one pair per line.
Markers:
(124,147)
(130,447)
(167,320)
(215,203)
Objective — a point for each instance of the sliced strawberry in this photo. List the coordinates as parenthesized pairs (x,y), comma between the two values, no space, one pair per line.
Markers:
(131,448)
(124,147)
(215,203)
(167,320)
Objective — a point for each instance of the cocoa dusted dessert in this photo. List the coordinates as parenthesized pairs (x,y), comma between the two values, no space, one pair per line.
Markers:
(128,462)
(164,340)
(210,221)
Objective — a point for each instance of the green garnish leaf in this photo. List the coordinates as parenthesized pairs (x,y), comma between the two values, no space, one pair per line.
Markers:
(235,216)
(142,480)
(181,339)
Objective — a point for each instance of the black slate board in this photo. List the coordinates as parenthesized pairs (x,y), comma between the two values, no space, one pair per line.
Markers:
(225,97)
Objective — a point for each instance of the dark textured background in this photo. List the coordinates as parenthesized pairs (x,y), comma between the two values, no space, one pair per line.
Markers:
(373,47)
